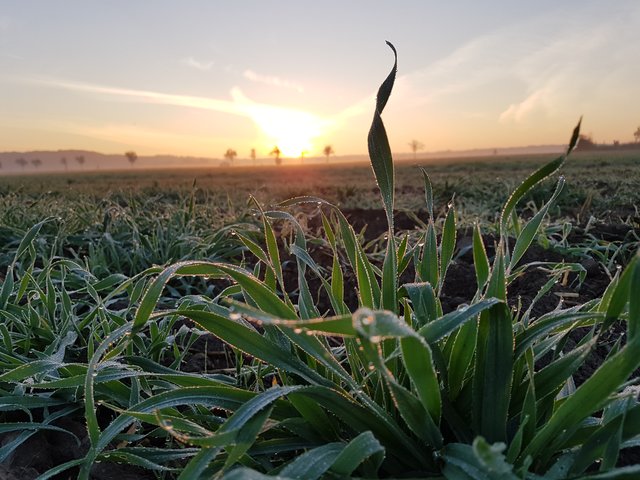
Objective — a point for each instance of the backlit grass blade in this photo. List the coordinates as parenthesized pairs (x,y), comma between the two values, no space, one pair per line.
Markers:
(445,325)
(480,260)
(531,228)
(428,268)
(263,296)
(379,151)
(447,244)
(533,179)
(253,343)
(27,240)
(428,193)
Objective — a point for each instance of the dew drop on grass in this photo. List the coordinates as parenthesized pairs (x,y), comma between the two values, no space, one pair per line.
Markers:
(309,332)
(234,316)
(463,307)
(368,320)
(167,425)
(297,330)
(94,374)
(375,339)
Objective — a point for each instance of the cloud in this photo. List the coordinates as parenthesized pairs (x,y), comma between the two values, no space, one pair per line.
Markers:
(287,127)
(197,64)
(272,81)
(540,66)
(518,111)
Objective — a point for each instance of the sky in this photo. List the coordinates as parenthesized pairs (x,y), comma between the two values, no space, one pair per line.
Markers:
(196,77)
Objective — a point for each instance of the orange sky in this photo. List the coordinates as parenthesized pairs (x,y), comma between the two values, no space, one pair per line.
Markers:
(198,78)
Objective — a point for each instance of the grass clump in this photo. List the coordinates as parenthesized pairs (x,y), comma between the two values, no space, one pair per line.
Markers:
(394,387)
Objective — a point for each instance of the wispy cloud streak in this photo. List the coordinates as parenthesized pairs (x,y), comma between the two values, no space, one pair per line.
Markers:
(197,64)
(272,81)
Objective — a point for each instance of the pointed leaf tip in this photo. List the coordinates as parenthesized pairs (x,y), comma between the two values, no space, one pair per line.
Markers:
(574,137)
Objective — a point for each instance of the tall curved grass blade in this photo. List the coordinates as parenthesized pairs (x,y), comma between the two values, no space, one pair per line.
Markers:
(533,179)
(379,151)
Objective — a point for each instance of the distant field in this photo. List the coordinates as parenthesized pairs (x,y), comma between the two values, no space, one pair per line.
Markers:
(603,185)
(143,314)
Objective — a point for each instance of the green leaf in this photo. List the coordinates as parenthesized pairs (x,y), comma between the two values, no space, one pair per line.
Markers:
(533,179)
(379,151)
(417,358)
(531,228)
(428,193)
(314,463)
(447,244)
(357,451)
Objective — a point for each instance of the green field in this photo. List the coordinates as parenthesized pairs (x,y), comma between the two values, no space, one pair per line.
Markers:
(198,324)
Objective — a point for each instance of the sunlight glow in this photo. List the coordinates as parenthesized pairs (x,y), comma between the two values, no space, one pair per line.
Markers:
(292,131)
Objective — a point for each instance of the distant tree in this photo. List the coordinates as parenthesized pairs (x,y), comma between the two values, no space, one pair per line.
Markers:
(328,151)
(585,142)
(302,155)
(415,145)
(253,155)
(0,165)
(22,162)
(80,159)
(63,161)
(131,156)
(230,155)
(636,135)
(276,153)
(36,162)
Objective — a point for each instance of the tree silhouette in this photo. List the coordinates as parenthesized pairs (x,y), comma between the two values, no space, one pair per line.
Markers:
(637,135)
(276,153)
(22,162)
(328,151)
(36,162)
(415,145)
(230,155)
(131,156)
(253,155)
(80,159)
(63,161)
(0,165)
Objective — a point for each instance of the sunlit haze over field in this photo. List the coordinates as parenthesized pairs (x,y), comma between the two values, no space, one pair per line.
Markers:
(199,77)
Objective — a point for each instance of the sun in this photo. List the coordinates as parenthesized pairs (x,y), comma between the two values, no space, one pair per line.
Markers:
(292,131)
